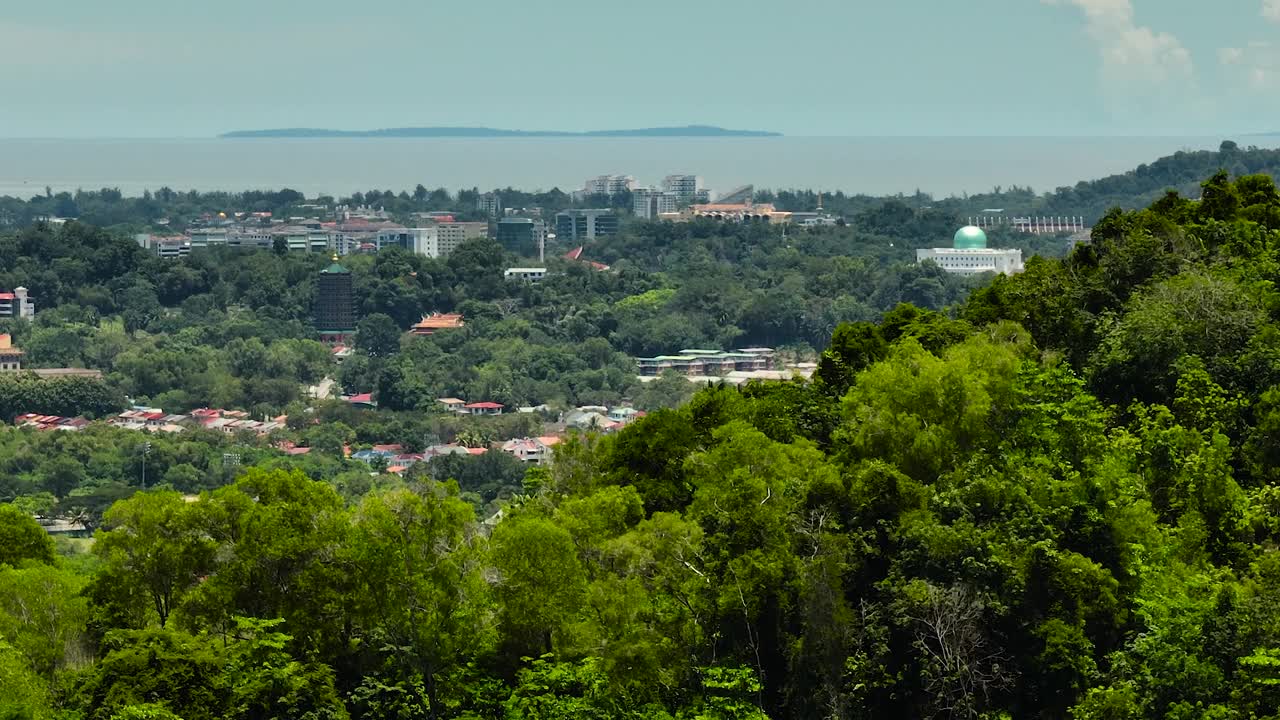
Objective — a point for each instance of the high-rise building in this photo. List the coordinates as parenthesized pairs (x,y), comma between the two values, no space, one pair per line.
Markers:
(335,307)
(688,188)
(608,185)
(586,224)
(648,203)
(17,304)
(524,236)
(489,204)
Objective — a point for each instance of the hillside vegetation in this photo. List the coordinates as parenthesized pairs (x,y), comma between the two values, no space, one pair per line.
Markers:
(1091,199)
(1060,502)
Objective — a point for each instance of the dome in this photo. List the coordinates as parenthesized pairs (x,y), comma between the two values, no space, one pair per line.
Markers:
(970,238)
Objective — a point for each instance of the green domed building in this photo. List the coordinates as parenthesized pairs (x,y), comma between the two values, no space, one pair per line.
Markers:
(969,255)
(970,238)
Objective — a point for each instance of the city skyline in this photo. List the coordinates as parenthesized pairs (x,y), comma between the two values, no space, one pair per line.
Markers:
(812,68)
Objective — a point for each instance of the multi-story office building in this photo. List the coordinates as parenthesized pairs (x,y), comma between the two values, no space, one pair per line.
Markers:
(419,241)
(490,204)
(524,236)
(251,239)
(17,304)
(453,234)
(586,224)
(167,247)
(209,237)
(648,203)
(435,241)
(335,307)
(296,238)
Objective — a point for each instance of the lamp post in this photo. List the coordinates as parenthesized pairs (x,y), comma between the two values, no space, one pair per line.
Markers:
(145,449)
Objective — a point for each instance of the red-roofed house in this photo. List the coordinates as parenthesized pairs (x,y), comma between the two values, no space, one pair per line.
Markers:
(531,450)
(477,451)
(482,408)
(362,399)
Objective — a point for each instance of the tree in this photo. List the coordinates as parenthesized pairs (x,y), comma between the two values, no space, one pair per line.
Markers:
(962,668)
(22,539)
(541,582)
(281,525)
(23,695)
(421,580)
(378,336)
(181,672)
(155,541)
(43,616)
(854,347)
(265,681)
(670,390)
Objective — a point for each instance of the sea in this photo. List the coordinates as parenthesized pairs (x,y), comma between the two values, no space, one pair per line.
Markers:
(940,166)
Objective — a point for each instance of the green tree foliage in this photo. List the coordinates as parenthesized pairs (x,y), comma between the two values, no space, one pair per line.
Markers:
(1058,501)
(155,542)
(22,539)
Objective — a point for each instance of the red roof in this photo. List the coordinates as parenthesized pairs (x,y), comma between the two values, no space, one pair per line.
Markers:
(297,451)
(477,451)
(576,254)
(362,398)
(438,321)
(7,296)
(485,406)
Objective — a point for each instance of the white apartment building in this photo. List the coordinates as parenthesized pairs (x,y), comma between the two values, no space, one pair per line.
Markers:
(687,188)
(17,304)
(648,203)
(608,185)
(420,241)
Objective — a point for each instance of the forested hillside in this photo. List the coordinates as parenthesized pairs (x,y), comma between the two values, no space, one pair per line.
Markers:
(1060,502)
(1091,199)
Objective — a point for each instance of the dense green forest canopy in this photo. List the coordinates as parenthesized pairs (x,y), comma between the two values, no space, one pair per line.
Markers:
(231,328)
(1060,501)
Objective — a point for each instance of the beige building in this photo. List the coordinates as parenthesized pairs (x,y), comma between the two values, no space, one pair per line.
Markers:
(453,234)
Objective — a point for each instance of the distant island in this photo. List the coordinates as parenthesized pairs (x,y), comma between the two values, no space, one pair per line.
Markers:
(483,132)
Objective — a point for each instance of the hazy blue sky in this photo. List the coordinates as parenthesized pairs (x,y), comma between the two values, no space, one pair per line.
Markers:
(168,68)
